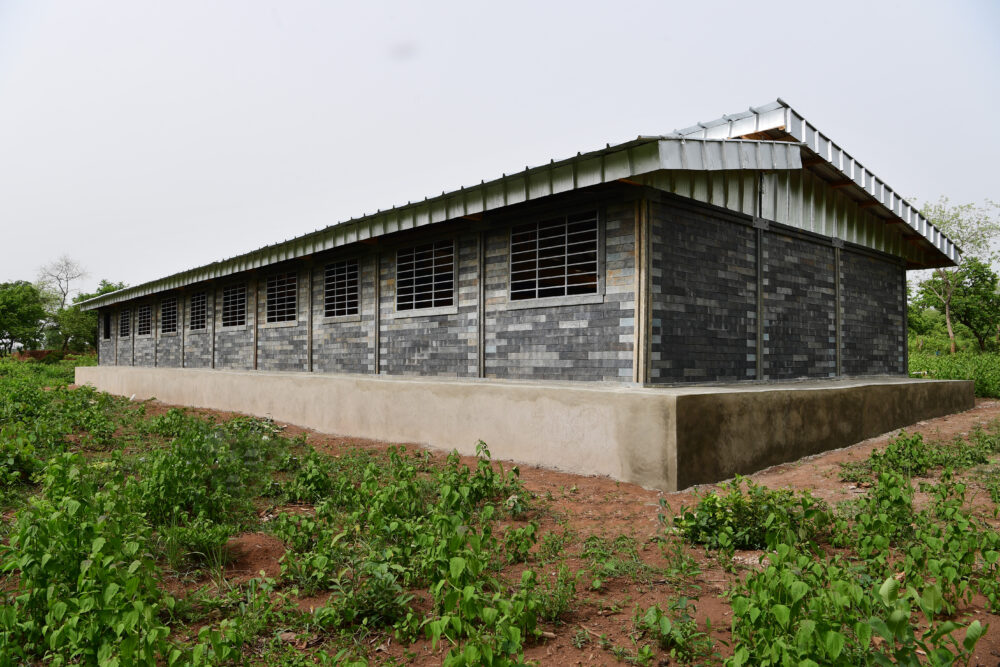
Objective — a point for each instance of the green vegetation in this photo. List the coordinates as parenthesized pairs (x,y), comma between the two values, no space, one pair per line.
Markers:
(982,369)
(121,528)
(876,582)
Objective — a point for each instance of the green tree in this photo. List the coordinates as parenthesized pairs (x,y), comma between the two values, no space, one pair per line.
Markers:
(22,315)
(74,329)
(975,229)
(974,299)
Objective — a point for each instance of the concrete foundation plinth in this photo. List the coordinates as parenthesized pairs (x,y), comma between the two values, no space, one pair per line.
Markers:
(665,438)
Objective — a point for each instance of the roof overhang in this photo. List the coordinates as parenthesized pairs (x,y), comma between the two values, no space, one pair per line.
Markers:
(613,163)
(778,121)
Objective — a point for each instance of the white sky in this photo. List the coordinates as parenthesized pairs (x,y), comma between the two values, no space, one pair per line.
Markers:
(144,138)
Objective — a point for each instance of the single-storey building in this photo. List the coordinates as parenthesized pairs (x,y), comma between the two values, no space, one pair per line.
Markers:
(623,311)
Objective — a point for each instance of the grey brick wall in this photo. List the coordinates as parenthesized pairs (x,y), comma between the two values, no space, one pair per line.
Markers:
(168,345)
(281,346)
(198,343)
(799,308)
(591,341)
(703,310)
(439,344)
(124,345)
(234,345)
(145,346)
(873,302)
(703,286)
(106,348)
(345,344)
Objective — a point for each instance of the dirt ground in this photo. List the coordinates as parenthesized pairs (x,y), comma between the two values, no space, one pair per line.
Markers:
(588,506)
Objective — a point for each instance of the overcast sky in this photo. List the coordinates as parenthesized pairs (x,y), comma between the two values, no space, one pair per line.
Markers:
(145,138)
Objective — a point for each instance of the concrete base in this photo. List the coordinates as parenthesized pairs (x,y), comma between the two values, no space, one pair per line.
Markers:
(665,438)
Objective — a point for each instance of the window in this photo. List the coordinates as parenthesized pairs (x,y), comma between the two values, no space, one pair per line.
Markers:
(107,326)
(234,306)
(124,324)
(168,315)
(144,321)
(554,257)
(281,290)
(198,311)
(425,276)
(340,289)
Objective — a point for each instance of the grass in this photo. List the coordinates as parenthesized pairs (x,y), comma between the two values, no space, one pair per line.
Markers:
(983,369)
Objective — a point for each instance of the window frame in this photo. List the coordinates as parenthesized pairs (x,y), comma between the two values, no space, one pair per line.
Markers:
(204,312)
(125,332)
(246,304)
(164,319)
(599,296)
(348,314)
(272,285)
(434,308)
(146,308)
(106,323)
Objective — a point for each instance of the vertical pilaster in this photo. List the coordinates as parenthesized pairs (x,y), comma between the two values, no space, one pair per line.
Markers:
(256,317)
(215,294)
(377,333)
(183,325)
(838,310)
(481,303)
(310,269)
(643,265)
(759,356)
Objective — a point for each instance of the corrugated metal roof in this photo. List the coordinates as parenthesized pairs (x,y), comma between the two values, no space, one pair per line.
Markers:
(778,118)
(630,159)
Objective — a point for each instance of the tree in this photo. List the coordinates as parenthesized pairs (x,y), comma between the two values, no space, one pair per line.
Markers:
(74,329)
(22,315)
(974,299)
(58,277)
(975,229)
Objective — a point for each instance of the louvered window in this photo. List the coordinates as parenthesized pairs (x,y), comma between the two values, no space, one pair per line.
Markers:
(425,276)
(281,291)
(340,289)
(168,315)
(234,306)
(124,323)
(198,311)
(554,257)
(144,321)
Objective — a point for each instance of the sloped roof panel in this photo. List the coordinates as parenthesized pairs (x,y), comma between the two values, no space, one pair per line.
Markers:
(628,160)
(780,118)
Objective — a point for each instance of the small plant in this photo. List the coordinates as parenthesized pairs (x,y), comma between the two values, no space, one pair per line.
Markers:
(552,545)
(199,543)
(312,481)
(676,631)
(557,597)
(751,519)
(613,558)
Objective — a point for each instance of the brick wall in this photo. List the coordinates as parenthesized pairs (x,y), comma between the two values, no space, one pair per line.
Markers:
(703,279)
(106,347)
(281,346)
(800,332)
(234,345)
(873,303)
(703,285)
(345,344)
(198,342)
(441,344)
(168,345)
(591,341)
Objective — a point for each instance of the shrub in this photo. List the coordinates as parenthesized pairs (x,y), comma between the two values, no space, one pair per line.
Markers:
(751,519)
